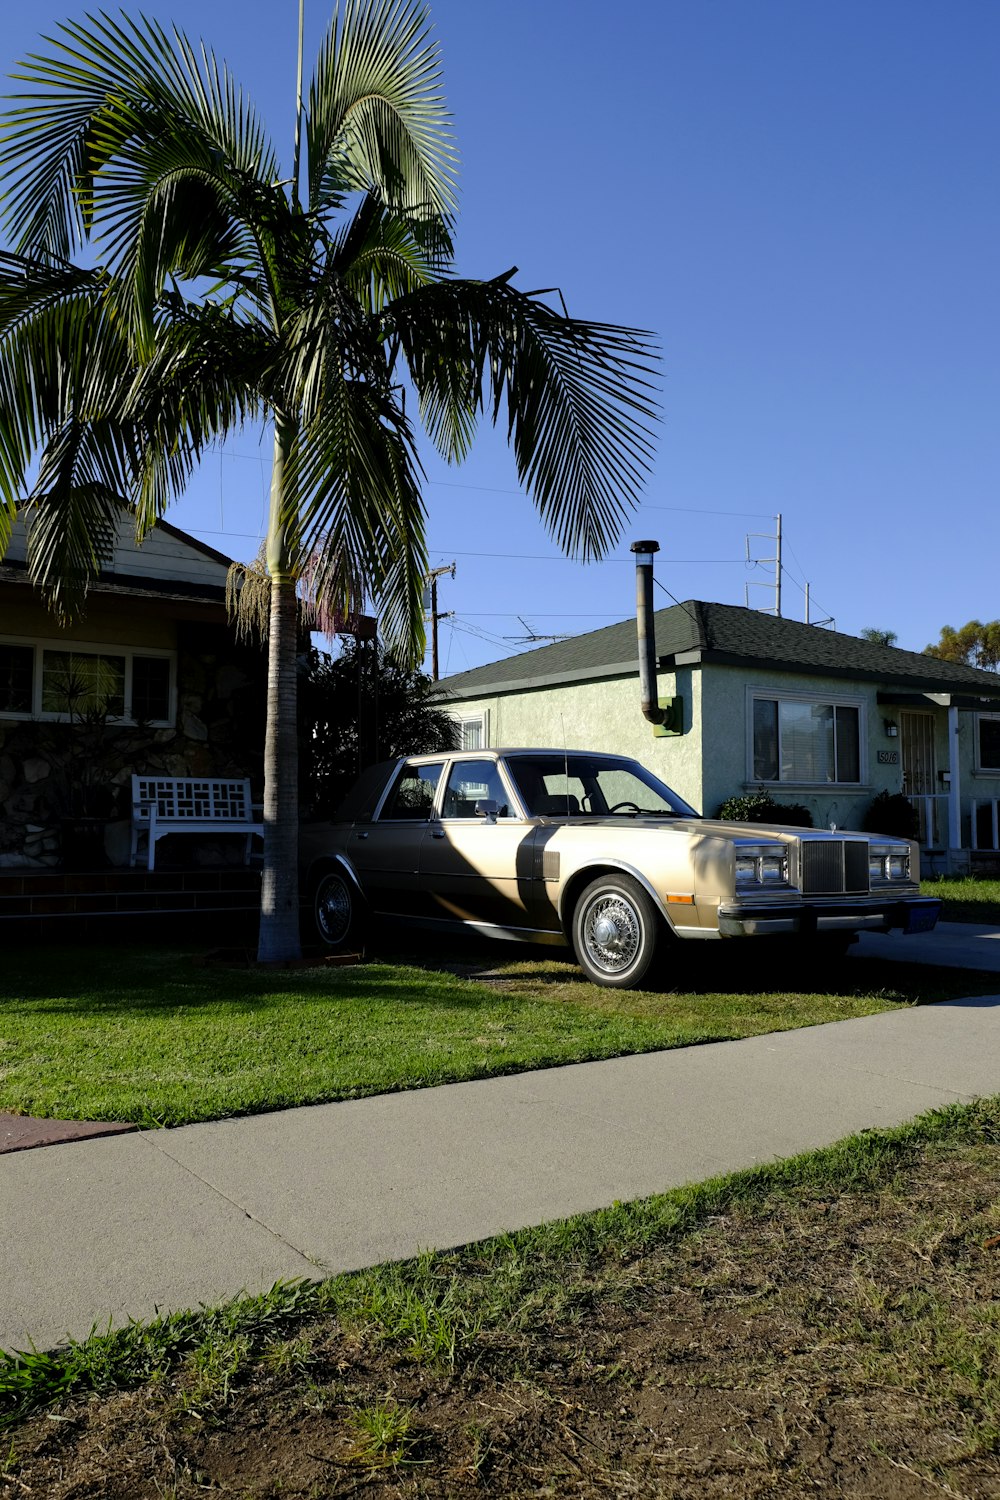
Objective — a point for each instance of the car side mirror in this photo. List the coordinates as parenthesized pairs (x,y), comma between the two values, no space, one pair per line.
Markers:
(487,808)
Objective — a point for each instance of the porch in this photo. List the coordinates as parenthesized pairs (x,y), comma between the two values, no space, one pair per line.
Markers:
(114,903)
(949,758)
(978,853)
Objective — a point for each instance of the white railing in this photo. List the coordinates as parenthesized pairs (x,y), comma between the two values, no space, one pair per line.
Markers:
(932,812)
(992,803)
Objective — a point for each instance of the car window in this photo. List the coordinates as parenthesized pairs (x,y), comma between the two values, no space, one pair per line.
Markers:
(412,796)
(472,781)
(561,795)
(619,784)
(571,784)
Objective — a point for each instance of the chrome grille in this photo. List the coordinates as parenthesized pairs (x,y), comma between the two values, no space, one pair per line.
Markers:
(833,866)
(855,865)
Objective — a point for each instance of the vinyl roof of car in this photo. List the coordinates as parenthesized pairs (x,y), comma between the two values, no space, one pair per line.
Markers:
(493,751)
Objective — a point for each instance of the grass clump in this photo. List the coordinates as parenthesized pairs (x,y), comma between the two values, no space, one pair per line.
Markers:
(384,1439)
(966,898)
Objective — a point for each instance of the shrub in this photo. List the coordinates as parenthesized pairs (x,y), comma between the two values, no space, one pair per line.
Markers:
(760,807)
(891,812)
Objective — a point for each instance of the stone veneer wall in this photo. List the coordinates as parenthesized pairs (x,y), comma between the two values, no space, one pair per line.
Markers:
(221,692)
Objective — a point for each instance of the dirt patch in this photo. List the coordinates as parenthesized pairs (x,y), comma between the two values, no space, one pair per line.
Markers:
(24,1132)
(823,1346)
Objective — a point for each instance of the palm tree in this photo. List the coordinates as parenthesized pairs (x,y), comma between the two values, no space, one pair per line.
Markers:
(168,281)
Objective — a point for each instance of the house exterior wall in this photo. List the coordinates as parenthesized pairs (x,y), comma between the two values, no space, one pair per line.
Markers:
(218,731)
(23,613)
(603,714)
(711,761)
(726,700)
(164,556)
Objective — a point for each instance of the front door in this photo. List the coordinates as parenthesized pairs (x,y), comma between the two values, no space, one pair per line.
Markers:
(920,772)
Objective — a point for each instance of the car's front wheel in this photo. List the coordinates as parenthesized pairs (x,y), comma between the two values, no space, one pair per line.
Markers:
(337,912)
(617,931)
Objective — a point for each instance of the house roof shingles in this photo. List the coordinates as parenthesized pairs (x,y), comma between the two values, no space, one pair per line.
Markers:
(726,634)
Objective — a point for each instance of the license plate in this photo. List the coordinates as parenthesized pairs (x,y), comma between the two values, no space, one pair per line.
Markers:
(923,918)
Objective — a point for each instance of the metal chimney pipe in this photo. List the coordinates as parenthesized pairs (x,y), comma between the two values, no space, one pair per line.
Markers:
(651,709)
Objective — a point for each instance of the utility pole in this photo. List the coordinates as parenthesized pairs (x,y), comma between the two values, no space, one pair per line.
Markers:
(431,604)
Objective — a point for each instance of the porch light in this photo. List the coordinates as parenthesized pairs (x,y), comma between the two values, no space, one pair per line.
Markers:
(891,728)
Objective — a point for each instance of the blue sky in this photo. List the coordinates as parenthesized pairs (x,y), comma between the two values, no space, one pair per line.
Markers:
(802,201)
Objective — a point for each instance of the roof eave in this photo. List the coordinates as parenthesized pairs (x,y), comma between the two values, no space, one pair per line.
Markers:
(932,685)
(441,690)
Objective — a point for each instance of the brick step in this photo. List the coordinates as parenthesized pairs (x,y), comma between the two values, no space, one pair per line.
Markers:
(66,904)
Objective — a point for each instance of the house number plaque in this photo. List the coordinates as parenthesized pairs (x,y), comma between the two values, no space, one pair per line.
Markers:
(888,757)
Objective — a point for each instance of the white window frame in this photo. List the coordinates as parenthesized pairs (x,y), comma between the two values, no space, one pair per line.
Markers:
(825,700)
(39,645)
(982,770)
(482,718)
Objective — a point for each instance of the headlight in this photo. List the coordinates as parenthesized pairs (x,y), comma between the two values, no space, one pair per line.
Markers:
(888,863)
(761,865)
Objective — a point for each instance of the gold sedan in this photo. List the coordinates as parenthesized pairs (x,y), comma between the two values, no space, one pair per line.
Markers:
(592,851)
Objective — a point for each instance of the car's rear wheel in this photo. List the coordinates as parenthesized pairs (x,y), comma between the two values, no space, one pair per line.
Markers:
(337,911)
(617,931)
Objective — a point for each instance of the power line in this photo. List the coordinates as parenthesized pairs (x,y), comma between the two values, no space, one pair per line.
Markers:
(491,489)
(552,614)
(685,562)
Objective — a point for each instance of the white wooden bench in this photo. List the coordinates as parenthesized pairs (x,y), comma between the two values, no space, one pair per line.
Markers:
(191,804)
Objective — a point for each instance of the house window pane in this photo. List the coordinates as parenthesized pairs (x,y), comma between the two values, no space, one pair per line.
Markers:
(848,745)
(150,688)
(16,674)
(471,734)
(806,741)
(78,682)
(765,740)
(989,742)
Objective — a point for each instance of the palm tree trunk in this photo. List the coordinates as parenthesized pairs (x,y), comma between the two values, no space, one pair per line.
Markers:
(279,939)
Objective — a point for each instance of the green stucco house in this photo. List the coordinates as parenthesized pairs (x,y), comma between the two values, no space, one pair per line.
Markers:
(759,702)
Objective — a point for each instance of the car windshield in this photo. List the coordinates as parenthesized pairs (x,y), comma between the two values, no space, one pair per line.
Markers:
(561,785)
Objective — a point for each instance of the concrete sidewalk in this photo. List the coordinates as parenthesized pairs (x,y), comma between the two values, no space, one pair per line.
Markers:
(98,1231)
(953,945)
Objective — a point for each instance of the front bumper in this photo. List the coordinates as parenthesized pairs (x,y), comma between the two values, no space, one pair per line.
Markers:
(871,914)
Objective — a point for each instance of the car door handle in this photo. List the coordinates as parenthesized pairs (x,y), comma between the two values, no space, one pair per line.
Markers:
(362,835)
(437,833)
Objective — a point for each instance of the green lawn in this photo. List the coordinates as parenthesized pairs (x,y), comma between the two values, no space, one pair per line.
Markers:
(966,900)
(155,1037)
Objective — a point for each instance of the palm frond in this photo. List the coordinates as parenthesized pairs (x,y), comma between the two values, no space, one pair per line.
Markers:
(381,256)
(107,93)
(73,511)
(377,121)
(62,357)
(579,398)
(355,479)
(208,374)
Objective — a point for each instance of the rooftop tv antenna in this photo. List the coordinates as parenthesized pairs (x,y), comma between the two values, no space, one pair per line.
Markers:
(526,640)
(767,562)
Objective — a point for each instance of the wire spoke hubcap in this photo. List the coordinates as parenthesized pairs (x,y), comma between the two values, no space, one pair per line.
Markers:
(612,932)
(333,910)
